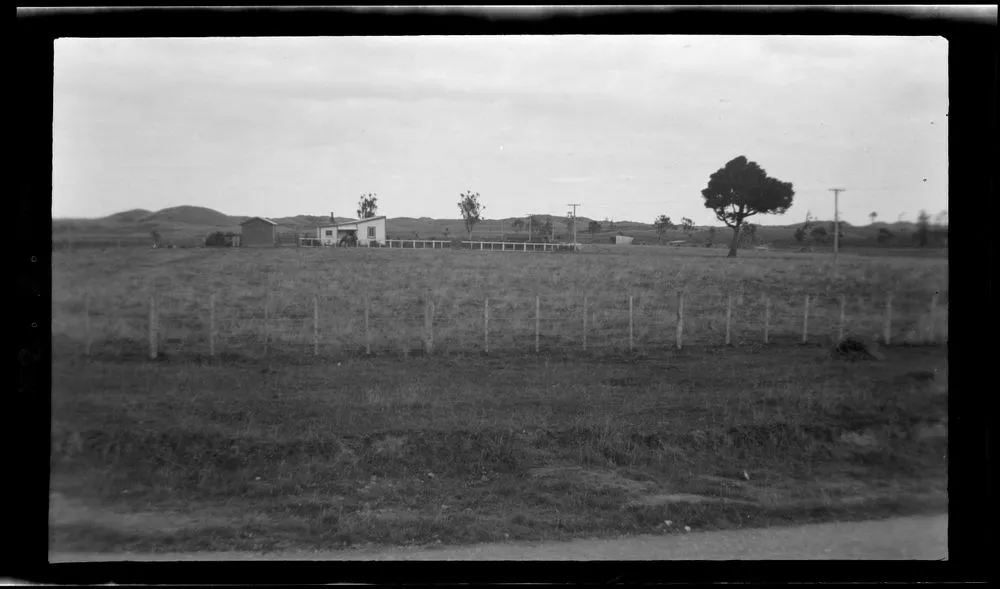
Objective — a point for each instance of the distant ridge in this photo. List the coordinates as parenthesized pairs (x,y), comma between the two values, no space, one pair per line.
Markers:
(131,216)
(193,217)
(189,215)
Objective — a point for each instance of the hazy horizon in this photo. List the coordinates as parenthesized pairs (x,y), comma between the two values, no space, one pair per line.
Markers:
(629,126)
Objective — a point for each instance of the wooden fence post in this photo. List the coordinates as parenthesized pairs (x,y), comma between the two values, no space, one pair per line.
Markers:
(680,318)
(86,323)
(368,331)
(152,327)
(767,318)
(887,334)
(805,321)
(584,322)
(630,342)
(267,324)
(932,324)
(211,324)
(486,324)
(729,318)
(315,325)
(840,329)
(538,320)
(429,326)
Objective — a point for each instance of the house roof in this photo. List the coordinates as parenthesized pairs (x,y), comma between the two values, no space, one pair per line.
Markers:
(258,219)
(342,223)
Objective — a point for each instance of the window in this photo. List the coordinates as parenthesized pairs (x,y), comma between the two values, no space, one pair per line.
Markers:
(329,232)
(371,232)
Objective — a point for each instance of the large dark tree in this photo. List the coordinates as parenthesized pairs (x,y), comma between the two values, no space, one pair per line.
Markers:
(742,189)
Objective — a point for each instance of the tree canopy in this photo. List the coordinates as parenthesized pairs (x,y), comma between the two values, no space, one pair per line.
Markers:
(367,206)
(741,189)
(471,210)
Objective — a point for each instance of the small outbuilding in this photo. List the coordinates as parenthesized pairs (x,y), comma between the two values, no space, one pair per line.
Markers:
(258,232)
(368,231)
(622,240)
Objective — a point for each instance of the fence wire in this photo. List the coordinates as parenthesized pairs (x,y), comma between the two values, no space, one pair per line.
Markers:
(258,322)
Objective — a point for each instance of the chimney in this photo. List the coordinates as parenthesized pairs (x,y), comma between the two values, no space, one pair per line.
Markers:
(332,218)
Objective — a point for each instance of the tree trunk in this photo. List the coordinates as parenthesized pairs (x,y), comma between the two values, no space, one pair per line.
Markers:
(733,247)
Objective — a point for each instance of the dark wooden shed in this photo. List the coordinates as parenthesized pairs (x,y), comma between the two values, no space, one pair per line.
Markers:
(258,232)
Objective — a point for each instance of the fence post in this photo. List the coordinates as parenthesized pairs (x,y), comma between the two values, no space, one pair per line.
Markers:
(86,323)
(680,318)
(538,321)
(429,326)
(630,343)
(805,321)
(585,322)
(152,327)
(315,325)
(767,318)
(932,327)
(211,324)
(729,318)
(368,331)
(840,330)
(267,324)
(486,324)
(887,334)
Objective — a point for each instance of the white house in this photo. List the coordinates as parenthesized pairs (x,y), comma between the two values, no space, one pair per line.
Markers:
(368,231)
(622,240)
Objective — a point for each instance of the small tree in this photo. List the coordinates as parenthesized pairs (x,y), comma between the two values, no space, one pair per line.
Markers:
(367,206)
(742,189)
(156,237)
(662,224)
(471,210)
(517,224)
(687,225)
(711,237)
(923,228)
(819,234)
(749,235)
(803,230)
(884,235)
(542,225)
(593,227)
(872,216)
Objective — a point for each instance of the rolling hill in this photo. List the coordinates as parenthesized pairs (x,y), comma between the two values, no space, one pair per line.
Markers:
(191,224)
(190,215)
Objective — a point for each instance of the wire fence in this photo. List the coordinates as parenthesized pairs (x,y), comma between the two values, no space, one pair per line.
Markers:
(258,324)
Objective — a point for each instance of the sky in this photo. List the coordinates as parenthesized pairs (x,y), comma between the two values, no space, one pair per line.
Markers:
(629,127)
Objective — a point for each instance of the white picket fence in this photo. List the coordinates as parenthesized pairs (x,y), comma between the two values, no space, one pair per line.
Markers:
(504,246)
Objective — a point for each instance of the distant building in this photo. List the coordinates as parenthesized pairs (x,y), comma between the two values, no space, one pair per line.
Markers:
(258,232)
(622,240)
(367,231)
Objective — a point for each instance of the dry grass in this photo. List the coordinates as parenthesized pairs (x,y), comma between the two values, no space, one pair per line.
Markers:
(290,451)
(398,284)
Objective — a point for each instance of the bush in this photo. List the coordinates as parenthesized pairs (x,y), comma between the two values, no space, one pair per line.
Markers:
(221,239)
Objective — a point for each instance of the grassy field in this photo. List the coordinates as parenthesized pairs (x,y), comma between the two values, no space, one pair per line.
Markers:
(265,446)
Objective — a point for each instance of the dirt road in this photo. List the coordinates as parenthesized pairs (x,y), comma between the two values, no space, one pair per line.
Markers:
(918,537)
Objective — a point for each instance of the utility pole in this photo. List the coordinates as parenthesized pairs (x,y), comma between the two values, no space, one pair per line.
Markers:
(836,224)
(574,220)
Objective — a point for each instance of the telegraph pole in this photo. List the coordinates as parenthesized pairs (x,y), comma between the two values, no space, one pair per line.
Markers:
(836,224)
(574,220)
